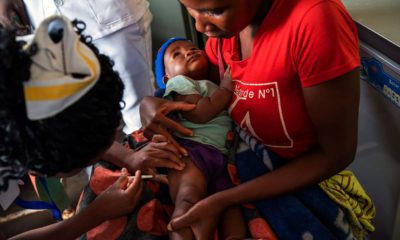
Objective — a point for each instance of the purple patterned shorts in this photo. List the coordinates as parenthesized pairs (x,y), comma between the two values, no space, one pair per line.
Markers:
(211,162)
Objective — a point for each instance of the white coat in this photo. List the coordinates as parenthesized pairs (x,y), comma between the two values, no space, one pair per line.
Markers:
(121,30)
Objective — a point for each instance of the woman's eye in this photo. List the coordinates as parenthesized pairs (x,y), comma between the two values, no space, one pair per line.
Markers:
(214,12)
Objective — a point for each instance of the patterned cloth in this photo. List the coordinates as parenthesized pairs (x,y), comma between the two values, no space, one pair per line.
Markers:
(148,221)
(344,189)
(309,213)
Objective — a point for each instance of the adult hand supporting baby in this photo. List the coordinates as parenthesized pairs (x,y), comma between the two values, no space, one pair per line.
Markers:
(158,153)
(202,218)
(153,113)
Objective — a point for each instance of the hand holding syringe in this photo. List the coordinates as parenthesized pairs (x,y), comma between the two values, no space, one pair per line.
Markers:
(161,178)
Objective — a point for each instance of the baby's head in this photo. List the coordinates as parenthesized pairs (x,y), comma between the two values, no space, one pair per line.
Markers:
(60,101)
(179,56)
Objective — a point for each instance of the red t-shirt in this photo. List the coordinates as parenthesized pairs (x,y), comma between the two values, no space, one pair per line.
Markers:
(300,43)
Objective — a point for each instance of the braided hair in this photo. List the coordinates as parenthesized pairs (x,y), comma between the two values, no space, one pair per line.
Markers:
(61,143)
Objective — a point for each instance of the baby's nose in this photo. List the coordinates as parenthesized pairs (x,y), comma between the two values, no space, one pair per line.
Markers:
(190,52)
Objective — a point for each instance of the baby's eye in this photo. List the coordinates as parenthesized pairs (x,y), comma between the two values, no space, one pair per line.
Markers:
(194,49)
(176,54)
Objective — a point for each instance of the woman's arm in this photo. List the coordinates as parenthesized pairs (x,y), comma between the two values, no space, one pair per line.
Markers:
(333,109)
(119,199)
(67,229)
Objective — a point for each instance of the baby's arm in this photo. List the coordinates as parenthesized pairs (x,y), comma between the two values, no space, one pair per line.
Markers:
(209,107)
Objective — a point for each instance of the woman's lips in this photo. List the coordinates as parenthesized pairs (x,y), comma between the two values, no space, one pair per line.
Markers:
(212,34)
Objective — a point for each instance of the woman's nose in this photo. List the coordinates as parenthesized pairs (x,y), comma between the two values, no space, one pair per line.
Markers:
(200,20)
(204,26)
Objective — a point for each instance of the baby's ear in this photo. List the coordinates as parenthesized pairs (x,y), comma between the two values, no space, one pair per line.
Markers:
(165,79)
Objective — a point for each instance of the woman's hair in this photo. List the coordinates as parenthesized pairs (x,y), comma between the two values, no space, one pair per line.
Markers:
(61,143)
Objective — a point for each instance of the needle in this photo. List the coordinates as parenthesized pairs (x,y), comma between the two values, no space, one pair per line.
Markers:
(150,176)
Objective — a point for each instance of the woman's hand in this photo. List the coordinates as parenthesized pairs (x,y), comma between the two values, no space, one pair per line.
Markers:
(158,153)
(202,218)
(153,113)
(120,198)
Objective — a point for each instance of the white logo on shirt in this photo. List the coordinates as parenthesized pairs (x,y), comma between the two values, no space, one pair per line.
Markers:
(264,94)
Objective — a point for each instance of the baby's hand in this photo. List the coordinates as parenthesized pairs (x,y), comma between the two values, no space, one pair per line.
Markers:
(226,82)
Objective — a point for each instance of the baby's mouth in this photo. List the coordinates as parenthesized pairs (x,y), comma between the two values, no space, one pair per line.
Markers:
(193,58)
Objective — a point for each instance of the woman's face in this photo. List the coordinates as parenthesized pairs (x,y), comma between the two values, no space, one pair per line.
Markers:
(67,174)
(72,172)
(222,18)
(75,171)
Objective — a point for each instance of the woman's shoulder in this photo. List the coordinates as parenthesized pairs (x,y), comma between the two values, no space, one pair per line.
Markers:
(306,5)
(299,9)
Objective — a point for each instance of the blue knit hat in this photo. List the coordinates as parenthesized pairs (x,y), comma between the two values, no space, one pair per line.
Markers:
(159,63)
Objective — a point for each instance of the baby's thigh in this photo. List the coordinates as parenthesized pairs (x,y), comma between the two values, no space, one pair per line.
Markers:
(187,186)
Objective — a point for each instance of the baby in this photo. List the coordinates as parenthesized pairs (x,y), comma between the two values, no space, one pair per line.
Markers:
(182,69)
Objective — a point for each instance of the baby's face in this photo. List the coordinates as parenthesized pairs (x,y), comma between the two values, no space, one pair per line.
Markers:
(185,58)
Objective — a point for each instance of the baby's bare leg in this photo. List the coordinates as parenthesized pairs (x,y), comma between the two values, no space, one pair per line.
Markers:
(187,187)
(233,226)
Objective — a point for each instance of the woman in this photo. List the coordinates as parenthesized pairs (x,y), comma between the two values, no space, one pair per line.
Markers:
(296,92)
(60,104)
